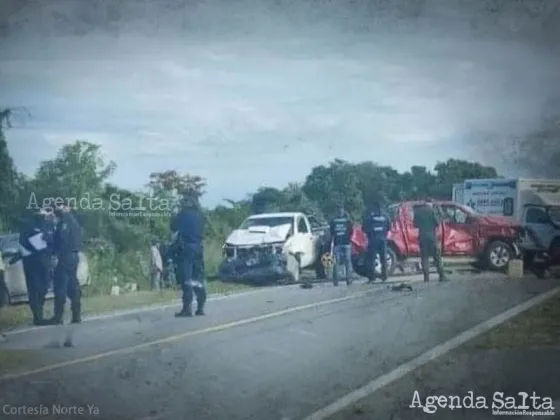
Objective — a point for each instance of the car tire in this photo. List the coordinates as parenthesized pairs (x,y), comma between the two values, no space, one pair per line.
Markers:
(358,263)
(359,266)
(497,255)
(391,262)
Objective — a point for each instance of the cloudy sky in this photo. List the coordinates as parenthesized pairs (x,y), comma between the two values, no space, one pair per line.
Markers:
(252,93)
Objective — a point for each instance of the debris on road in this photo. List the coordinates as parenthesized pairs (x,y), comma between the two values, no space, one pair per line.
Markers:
(401,286)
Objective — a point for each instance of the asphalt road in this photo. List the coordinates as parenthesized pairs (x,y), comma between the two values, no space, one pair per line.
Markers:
(280,353)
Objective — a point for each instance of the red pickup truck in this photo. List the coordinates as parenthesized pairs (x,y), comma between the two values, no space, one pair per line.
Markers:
(487,241)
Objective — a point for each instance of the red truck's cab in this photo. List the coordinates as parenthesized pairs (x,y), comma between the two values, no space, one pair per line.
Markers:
(464,234)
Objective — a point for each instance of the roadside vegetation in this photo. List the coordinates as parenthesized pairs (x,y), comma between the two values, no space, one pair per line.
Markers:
(536,328)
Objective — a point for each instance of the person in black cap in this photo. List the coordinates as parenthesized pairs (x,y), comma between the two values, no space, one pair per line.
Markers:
(67,244)
(188,225)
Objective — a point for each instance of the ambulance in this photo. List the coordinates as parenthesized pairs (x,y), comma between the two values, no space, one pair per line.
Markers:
(535,203)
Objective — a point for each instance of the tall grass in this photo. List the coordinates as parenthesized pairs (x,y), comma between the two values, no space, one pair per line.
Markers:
(111,268)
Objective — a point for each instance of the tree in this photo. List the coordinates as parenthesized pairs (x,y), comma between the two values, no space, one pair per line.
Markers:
(174,184)
(335,185)
(77,171)
(9,177)
(455,171)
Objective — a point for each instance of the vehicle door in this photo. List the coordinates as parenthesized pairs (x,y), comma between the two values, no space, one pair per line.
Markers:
(304,242)
(13,274)
(458,235)
(319,231)
(411,233)
(540,229)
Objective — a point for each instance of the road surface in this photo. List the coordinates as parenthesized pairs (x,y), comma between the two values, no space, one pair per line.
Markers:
(280,353)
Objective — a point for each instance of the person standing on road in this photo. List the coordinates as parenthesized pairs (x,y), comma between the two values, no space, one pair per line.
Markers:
(188,225)
(426,221)
(156,265)
(376,226)
(35,241)
(66,246)
(341,234)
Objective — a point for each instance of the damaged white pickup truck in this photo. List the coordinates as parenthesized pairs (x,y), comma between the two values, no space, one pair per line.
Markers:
(273,247)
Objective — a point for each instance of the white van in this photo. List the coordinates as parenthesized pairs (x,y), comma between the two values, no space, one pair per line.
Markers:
(535,203)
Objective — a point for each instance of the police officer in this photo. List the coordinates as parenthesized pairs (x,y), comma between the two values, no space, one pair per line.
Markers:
(341,234)
(426,221)
(67,244)
(35,241)
(188,225)
(376,225)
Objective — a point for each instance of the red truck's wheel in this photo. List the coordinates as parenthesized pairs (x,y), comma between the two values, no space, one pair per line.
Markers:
(498,255)
(361,270)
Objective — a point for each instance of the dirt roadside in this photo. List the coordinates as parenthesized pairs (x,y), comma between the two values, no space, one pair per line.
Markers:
(519,356)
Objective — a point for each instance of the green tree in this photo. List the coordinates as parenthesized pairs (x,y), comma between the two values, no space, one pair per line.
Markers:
(10,180)
(455,171)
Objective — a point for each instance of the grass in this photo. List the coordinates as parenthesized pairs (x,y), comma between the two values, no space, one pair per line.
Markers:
(538,327)
(17,315)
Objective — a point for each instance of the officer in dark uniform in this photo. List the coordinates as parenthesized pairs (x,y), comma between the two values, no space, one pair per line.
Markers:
(188,225)
(341,234)
(426,221)
(376,225)
(66,246)
(35,242)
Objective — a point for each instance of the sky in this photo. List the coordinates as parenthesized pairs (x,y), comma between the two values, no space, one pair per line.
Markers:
(252,93)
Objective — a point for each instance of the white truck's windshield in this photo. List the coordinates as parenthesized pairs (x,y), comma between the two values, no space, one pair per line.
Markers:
(266,221)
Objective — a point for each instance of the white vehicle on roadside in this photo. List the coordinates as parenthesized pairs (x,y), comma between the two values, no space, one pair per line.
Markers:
(274,246)
(14,288)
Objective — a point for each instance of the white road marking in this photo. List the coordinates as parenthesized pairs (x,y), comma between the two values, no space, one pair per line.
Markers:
(148,308)
(177,337)
(303,332)
(177,302)
(430,355)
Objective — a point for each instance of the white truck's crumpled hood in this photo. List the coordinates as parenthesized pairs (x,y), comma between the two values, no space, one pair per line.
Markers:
(240,237)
